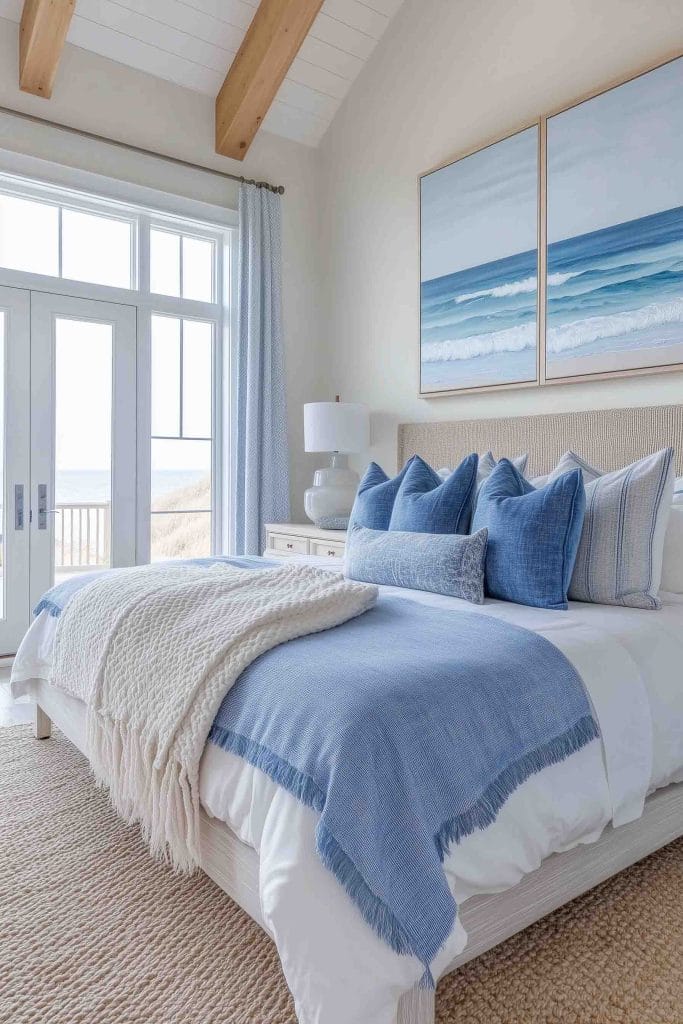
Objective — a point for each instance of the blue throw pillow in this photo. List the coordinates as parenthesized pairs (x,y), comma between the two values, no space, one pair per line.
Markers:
(451,564)
(533,535)
(427,504)
(375,497)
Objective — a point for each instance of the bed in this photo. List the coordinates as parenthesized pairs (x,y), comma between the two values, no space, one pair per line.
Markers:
(630,662)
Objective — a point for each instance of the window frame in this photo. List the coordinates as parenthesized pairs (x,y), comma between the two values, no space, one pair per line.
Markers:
(145,208)
(181,436)
(200,236)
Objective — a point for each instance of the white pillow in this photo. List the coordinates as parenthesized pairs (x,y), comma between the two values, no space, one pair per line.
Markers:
(672,564)
(678,490)
(487,463)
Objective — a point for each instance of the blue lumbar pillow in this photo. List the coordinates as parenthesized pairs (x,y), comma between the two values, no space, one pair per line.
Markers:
(375,497)
(427,504)
(533,535)
(451,564)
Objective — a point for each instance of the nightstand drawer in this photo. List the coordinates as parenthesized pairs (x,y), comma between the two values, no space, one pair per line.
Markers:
(286,544)
(326,547)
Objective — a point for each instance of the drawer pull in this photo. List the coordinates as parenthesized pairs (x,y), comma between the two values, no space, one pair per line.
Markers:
(289,547)
(331,552)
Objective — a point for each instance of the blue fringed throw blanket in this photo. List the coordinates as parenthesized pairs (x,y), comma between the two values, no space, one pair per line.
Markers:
(406,729)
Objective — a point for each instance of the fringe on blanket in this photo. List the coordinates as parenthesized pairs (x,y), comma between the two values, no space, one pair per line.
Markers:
(479,816)
(163,800)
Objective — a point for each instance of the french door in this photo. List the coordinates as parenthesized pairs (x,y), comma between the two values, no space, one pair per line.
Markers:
(69,445)
(15,448)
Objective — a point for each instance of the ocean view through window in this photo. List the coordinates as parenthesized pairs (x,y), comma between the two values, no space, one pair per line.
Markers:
(132,305)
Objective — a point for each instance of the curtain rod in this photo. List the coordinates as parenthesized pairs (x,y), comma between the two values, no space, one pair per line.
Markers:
(279,189)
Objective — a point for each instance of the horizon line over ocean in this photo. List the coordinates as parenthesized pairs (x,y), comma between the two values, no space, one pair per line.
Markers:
(74,485)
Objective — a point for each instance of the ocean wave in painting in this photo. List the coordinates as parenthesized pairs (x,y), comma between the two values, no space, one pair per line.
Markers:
(629,291)
(529,284)
(611,290)
(559,339)
(614,325)
(514,339)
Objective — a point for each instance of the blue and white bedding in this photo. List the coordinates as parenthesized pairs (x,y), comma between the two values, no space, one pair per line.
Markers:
(406,729)
(324,944)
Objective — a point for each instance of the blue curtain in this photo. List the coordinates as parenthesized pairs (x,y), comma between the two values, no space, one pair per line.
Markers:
(261,475)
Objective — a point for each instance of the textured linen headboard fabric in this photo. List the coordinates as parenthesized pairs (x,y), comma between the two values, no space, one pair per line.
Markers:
(607,438)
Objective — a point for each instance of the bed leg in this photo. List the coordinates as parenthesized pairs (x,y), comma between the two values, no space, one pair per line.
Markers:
(416,1007)
(42,724)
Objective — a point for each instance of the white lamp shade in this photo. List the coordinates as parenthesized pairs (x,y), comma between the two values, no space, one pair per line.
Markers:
(336,427)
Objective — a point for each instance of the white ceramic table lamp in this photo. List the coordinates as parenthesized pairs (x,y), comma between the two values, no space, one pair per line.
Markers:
(339,428)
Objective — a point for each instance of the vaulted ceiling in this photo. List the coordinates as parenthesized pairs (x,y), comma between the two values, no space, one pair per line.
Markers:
(194,42)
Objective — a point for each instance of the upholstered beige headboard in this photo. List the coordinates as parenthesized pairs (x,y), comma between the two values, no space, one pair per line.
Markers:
(607,438)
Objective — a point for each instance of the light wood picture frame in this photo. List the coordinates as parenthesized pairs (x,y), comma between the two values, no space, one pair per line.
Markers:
(479,254)
(614,208)
(609,249)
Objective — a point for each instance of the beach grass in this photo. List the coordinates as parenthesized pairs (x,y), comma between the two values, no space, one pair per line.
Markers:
(186,534)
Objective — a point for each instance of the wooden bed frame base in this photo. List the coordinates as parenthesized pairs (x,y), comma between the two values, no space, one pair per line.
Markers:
(488,920)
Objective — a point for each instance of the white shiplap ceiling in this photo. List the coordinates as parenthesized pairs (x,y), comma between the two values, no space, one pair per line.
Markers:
(193,43)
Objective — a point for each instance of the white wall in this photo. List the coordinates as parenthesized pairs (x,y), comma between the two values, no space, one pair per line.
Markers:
(111,99)
(449,75)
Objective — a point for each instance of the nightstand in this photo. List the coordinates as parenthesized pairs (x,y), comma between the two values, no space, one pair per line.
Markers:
(303,539)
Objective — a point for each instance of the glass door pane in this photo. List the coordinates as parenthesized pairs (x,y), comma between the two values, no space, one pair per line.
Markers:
(14,467)
(181,484)
(83,424)
(83,415)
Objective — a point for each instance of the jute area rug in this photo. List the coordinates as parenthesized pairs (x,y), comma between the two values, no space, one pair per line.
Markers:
(92,931)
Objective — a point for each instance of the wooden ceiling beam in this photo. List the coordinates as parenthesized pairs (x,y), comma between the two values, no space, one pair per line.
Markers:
(273,40)
(44,25)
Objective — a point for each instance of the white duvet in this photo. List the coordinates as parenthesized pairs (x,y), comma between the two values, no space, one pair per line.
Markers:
(338,970)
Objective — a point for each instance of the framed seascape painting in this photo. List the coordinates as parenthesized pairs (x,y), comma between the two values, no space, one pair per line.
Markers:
(615,229)
(479,268)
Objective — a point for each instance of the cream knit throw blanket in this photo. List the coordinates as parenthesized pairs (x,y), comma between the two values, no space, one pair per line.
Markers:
(152,651)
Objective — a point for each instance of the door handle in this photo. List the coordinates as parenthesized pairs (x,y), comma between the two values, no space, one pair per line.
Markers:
(18,506)
(43,510)
(42,507)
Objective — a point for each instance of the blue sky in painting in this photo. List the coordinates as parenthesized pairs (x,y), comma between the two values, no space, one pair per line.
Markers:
(617,157)
(481,208)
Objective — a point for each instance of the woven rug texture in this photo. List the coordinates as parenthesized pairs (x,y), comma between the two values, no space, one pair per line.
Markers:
(92,931)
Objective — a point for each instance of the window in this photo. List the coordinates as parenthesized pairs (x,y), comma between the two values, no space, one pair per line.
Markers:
(57,241)
(97,249)
(181,265)
(174,272)
(182,437)
(29,235)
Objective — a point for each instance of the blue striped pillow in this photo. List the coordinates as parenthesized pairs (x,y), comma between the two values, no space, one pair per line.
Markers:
(619,560)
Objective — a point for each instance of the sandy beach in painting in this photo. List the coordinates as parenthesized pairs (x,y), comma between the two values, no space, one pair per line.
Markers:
(647,358)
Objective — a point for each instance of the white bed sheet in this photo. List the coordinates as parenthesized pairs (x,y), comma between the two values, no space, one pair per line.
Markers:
(338,970)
